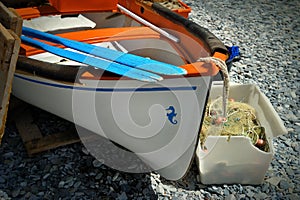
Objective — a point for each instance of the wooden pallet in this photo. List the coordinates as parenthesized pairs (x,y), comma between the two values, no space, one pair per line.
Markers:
(10,30)
(34,141)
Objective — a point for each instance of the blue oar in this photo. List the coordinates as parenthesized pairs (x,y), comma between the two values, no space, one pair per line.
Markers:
(109,54)
(116,68)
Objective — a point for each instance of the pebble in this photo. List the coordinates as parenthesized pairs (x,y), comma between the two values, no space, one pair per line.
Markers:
(2,180)
(293,94)
(61,184)
(8,155)
(99,176)
(293,196)
(97,163)
(230,197)
(160,189)
(250,193)
(226,192)
(260,196)
(3,195)
(85,151)
(265,187)
(116,176)
(77,184)
(46,176)
(284,184)
(15,193)
(122,196)
(41,194)
(274,180)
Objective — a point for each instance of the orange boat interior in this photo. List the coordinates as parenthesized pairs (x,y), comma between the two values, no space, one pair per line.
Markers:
(189,47)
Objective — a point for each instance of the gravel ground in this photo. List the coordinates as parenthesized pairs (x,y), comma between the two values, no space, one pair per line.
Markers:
(267,33)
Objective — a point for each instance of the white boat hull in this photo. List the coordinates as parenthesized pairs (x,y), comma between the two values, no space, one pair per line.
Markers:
(134,114)
(159,122)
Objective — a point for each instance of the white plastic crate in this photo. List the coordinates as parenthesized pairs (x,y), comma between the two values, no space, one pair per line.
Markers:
(238,160)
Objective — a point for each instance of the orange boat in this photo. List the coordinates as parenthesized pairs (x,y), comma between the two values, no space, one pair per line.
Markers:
(157,121)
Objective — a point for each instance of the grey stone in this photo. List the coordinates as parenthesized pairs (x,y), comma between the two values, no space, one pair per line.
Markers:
(293,196)
(15,193)
(41,194)
(61,184)
(34,189)
(169,188)
(116,176)
(69,180)
(122,196)
(290,172)
(3,195)
(265,187)
(241,196)
(250,193)
(97,163)
(2,180)
(230,197)
(160,189)
(260,196)
(77,184)
(46,176)
(284,184)
(22,192)
(8,155)
(33,197)
(274,180)
(297,149)
(146,192)
(226,192)
(125,187)
(23,184)
(85,151)
(78,194)
(293,94)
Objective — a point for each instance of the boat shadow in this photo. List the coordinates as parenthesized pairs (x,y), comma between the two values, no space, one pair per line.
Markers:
(123,172)
(71,171)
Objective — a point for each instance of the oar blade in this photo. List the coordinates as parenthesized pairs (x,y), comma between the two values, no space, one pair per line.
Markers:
(110,54)
(116,68)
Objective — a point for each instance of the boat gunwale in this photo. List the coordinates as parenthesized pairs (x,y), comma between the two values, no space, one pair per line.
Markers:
(104,35)
(63,85)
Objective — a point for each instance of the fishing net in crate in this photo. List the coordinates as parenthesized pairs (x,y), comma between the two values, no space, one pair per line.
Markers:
(226,117)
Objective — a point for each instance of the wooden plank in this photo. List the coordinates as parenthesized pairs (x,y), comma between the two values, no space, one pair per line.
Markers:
(10,44)
(6,16)
(16,108)
(52,141)
(17,23)
(26,128)
(32,137)
(6,42)
(10,19)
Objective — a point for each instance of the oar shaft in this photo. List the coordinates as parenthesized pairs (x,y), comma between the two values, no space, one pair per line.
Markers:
(109,54)
(116,68)
(146,23)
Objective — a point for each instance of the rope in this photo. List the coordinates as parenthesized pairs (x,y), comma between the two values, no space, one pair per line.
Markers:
(223,67)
